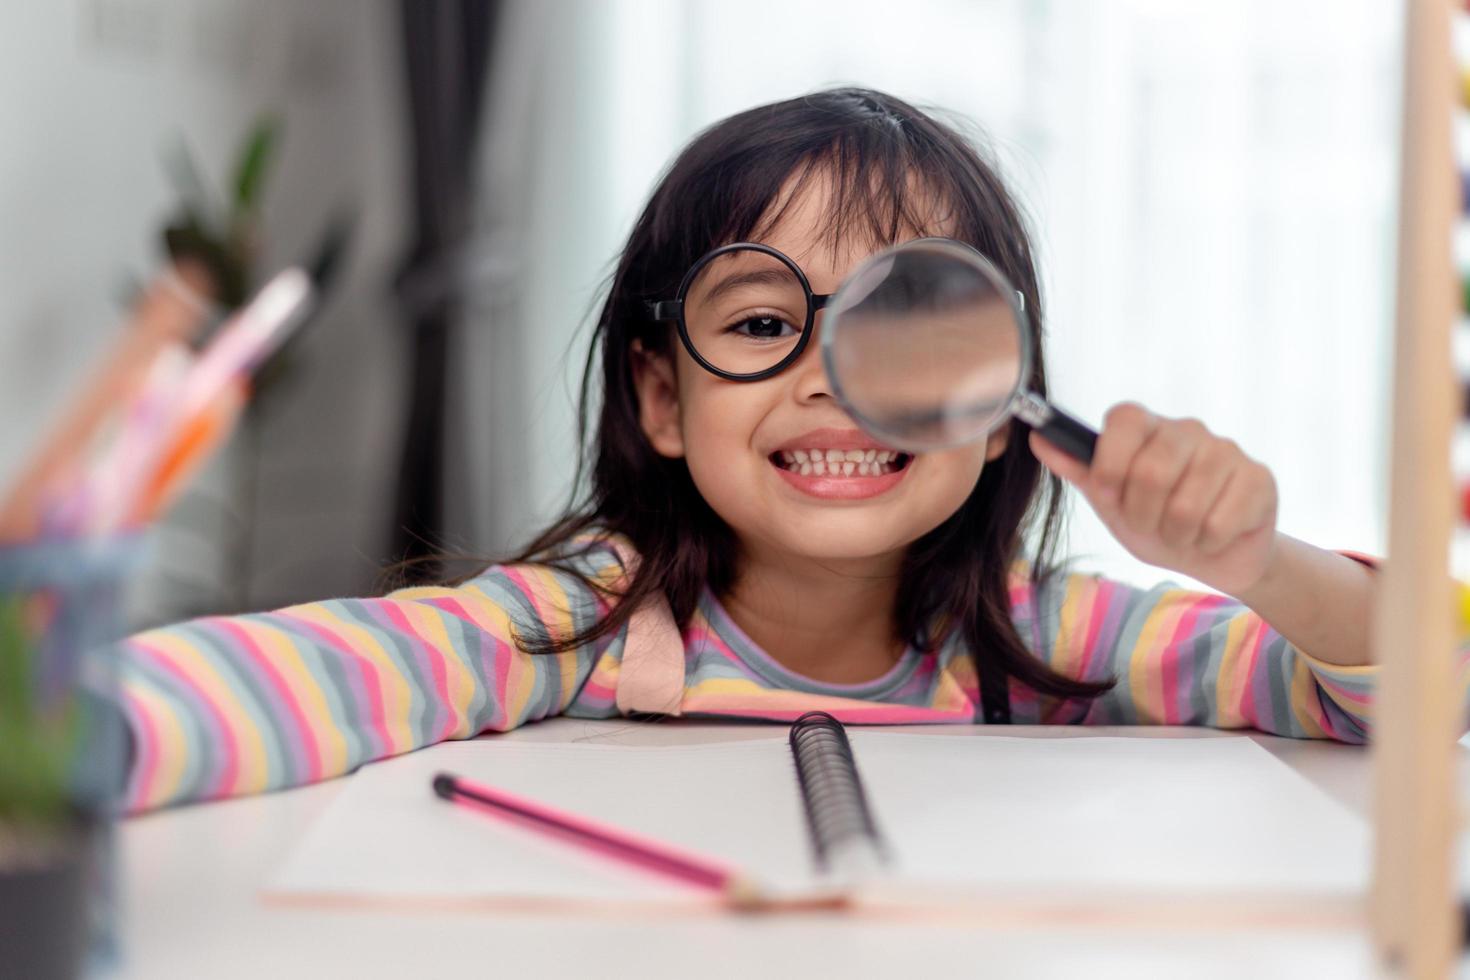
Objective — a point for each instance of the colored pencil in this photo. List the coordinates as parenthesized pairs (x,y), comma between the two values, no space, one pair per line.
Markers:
(692,869)
(170,312)
(195,443)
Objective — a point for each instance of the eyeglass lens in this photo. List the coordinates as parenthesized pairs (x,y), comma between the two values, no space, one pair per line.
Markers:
(745,311)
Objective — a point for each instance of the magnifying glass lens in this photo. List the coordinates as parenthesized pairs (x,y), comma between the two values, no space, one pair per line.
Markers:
(925,346)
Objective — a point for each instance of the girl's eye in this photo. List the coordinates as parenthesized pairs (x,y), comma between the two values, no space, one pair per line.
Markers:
(763,328)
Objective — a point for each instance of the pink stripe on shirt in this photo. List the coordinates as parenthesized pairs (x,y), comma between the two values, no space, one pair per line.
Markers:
(305,745)
(227,748)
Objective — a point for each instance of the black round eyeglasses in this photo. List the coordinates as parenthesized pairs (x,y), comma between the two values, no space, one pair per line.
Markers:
(744,311)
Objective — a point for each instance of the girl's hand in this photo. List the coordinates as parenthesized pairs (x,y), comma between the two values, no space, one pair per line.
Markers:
(1177,496)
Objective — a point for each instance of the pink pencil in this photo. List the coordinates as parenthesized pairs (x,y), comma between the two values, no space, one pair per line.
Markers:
(643,852)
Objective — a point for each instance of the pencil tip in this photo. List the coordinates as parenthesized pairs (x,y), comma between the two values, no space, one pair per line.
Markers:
(744,894)
(444,785)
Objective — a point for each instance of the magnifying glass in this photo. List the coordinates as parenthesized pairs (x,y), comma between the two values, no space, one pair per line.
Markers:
(926,347)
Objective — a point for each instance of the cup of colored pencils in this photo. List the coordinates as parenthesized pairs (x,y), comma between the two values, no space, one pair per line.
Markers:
(62,751)
(153,412)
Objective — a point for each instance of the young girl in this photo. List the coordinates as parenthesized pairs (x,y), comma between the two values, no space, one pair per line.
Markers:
(745,550)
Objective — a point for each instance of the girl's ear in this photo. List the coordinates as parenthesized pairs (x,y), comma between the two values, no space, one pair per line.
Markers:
(658,401)
(996,443)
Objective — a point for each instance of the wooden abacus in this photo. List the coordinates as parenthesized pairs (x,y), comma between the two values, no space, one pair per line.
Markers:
(1416,925)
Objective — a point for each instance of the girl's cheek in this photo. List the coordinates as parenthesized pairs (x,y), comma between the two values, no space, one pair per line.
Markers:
(714,422)
(961,465)
(950,475)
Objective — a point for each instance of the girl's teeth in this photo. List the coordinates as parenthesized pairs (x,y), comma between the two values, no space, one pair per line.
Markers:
(839,462)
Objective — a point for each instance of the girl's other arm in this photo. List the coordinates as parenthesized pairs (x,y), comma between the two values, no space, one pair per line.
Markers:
(225,706)
(1319,600)
(1179,497)
(1291,656)
(1182,657)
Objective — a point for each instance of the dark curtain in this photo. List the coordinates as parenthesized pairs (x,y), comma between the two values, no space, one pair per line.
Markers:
(447,45)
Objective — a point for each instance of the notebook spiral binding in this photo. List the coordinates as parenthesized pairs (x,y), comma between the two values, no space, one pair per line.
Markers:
(837,812)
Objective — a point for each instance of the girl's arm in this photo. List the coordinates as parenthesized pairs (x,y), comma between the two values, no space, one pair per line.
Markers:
(1182,657)
(1319,600)
(1181,498)
(1294,645)
(225,706)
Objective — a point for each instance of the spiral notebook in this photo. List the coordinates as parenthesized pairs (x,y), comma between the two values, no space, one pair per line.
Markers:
(885,818)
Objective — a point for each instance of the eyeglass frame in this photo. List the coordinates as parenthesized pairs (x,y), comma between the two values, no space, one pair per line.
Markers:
(664,311)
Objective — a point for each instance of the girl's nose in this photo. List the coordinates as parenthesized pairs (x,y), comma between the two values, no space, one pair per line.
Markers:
(809,373)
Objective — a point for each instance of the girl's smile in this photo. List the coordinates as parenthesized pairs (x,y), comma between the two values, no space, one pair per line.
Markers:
(839,464)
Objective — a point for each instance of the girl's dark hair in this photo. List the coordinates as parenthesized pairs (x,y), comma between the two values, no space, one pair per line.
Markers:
(892,163)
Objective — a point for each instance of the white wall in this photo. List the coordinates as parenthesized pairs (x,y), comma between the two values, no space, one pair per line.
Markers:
(95,90)
(1218,218)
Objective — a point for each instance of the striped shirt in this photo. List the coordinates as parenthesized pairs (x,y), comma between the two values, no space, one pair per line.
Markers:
(225,706)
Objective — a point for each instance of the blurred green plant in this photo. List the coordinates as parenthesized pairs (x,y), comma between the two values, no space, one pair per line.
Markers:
(224,236)
(224,232)
(33,747)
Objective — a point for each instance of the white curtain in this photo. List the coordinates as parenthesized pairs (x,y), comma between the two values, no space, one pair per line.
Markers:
(1211,188)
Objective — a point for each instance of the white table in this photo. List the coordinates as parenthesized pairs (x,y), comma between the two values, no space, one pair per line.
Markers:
(191,879)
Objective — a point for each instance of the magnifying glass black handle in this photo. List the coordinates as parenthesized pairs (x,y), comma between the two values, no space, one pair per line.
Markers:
(1057,427)
(1070,436)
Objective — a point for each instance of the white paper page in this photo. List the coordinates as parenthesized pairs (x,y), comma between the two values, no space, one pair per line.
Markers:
(1084,814)
(1102,814)
(387,835)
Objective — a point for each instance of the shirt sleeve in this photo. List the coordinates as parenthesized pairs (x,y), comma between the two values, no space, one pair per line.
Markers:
(226,706)
(1187,658)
